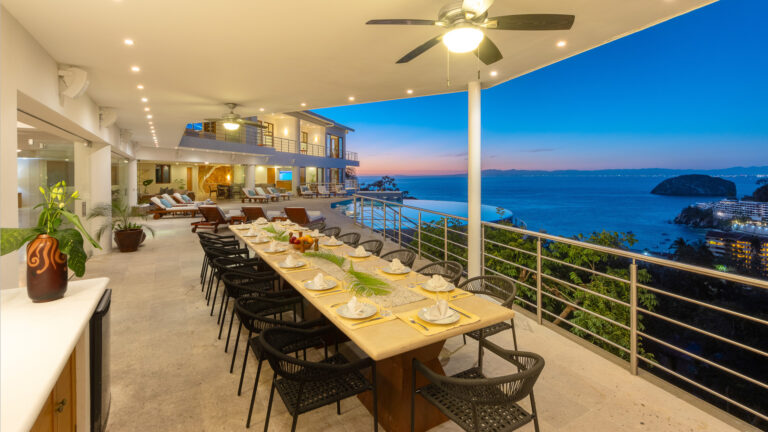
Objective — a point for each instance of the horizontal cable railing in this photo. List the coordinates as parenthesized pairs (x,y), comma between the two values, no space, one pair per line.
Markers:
(656,314)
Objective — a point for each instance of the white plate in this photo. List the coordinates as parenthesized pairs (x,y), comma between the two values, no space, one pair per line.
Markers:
(256,241)
(369,310)
(331,244)
(450,319)
(278,250)
(405,270)
(295,266)
(447,288)
(241,227)
(329,283)
(250,235)
(352,255)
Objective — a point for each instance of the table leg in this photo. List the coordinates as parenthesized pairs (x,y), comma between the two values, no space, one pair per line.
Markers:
(394,391)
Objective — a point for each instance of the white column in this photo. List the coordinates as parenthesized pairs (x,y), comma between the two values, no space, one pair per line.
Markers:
(295,180)
(250,176)
(9,182)
(101,190)
(474,168)
(133,182)
(297,133)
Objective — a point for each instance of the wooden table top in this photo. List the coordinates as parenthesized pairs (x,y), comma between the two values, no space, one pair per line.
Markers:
(388,338)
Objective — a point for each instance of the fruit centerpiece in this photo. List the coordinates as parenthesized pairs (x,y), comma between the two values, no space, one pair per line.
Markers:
(302,242)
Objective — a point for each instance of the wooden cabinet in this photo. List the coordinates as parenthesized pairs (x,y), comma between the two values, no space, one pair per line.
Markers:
(58,413)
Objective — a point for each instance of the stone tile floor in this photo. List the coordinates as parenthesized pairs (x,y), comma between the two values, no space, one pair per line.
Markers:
(170,372)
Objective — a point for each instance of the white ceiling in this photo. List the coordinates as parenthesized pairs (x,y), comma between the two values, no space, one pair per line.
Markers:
(195,55)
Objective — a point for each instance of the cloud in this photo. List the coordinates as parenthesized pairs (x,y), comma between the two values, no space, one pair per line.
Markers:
(459,154)
(539,150)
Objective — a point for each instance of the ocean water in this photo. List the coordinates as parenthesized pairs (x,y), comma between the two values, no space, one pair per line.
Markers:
(571,204)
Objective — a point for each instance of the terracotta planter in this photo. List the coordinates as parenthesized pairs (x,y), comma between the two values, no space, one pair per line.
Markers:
(129,240)
(46,269)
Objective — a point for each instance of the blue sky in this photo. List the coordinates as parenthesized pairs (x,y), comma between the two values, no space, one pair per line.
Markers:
(688,93)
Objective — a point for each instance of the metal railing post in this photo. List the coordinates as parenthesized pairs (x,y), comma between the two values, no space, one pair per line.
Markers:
(482,251)
(633,317)
(384,228)
(400,227)
(445,238)
(538,280)
(373,222)
(419,235)
(354,206)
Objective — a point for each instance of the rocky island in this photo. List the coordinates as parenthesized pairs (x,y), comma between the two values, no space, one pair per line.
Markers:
(696,185)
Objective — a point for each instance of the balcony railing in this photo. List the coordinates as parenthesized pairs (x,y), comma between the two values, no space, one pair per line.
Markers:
(247,136)
(692,326)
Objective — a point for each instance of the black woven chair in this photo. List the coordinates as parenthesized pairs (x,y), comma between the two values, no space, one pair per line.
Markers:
(304,386)
(351,239)
(317,225)
(406,256)
(477,403)
(213,252)
(450,270)
(500,288)
(213,240)
(331,231)
(372,246)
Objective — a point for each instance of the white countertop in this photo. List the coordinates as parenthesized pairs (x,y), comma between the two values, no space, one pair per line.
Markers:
(36,340)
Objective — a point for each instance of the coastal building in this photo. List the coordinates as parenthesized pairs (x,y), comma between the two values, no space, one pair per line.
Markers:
(747,251)
(734,209)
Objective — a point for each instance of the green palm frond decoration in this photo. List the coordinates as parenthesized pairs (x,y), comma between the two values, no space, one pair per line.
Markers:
(281,236)
(365,284)
(270,229)
(339,261)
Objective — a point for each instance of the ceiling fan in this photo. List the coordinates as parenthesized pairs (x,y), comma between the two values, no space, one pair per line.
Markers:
(232,120)
(464,22)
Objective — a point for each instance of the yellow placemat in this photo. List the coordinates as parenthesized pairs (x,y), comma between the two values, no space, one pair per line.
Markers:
(358,324)
(454,294)
(392,276)
(335,290)
(412,319)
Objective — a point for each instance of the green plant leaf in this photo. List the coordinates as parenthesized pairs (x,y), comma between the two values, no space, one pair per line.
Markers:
(365,284)
(12,239)
(338,260)
(72,218)
(71,244)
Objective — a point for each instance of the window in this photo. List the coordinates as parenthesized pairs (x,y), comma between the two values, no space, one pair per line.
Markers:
(162,174)
(304,137)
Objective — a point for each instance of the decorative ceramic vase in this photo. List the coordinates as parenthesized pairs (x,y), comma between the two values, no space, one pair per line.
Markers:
(129,240)
(46,269)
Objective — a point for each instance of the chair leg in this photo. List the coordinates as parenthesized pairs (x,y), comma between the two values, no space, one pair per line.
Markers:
(234,350)
(338,407)
(480,351)
(465,338)
(375,400)
(514,334)
(535,414)
(215,293)
(245,363)
(295,420)
(223,312)
(229,332)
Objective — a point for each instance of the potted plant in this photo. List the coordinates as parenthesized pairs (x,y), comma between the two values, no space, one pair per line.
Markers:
(146,183)
(52,248)
(119,219)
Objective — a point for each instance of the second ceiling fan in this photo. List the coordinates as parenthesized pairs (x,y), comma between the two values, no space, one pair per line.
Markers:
(464,22)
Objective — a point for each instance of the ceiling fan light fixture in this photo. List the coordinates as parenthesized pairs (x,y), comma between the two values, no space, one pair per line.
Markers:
(231,126)
(463,39)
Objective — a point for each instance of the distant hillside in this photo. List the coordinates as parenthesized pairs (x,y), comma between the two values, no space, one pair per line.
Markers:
(696,185)
(751,171)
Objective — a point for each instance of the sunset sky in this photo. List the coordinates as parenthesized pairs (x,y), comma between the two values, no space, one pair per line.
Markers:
(688,93)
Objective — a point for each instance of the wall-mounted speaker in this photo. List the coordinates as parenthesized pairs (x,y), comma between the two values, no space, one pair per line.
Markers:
(107,117)
(75,81)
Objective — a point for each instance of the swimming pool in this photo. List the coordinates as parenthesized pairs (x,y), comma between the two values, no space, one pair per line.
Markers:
(456,208)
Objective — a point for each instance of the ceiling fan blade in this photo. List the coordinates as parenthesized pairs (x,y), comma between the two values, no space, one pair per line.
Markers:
(420,49)
(477,7)
(402,21)
(488,52)
(251,123)
(531,22)
(212,119)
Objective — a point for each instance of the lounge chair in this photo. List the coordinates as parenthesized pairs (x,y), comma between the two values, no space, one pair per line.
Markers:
(173,202)
(301,216)
(167,208)
(213,216)
(322,191)
(252,213)
(251,196)
(187,201)
(282,195)
(339,189)
(306,192)
(260,192)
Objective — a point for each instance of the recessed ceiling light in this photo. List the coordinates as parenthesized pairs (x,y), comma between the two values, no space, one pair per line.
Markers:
(150,122)
(561,43)
(140,87)
(128,41)
(351,98)
(494,73)
(261,109)
(144,100)
(409,91)
(149,116)
(18,150)
(303,104)
(135,68)
(146,108)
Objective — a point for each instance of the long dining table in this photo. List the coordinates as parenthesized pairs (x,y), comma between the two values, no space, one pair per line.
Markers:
(395,335)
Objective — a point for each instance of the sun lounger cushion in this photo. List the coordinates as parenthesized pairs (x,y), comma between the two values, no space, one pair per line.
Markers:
(187,199)
(273,214)
(166,204)
(314,215)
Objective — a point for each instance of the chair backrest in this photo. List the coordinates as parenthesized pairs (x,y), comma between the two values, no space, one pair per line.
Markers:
(331,231)
(213,214)
(249,193)
(156,201)
(178,198)
(317,225)
(305,190)
(297,215)
(406,256)
(274,342)
(352,239)
(322,189)
(450,270)
(372,246)
(252,213)
(501,288)
(272,190)
(260,191)
(168,198)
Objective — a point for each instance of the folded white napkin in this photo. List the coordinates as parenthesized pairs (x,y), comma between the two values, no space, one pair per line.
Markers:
(439,311)
(354,307)
(437,282)
(319,281)
(315,233)
(261,238)
(251,230)
(360,251)
(333,240)
(273,246)
(261,220)
(396,265)
(290,261)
